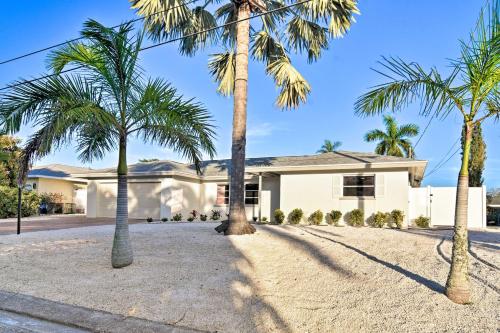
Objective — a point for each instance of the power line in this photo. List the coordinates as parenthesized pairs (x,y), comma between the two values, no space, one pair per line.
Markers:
(425,129)
(166,42)
(442,162)
(79,38)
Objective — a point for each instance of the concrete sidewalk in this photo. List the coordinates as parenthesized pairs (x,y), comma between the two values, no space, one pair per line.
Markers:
(23,313)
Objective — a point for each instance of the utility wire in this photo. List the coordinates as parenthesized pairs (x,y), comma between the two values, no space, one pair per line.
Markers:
(79,38)
(165,42)
(425,129)
(442,162)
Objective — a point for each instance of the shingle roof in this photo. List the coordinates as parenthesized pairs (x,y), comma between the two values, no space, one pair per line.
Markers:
(221,167)
(56,170)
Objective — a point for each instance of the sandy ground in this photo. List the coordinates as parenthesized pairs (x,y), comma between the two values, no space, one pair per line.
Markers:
(281,279)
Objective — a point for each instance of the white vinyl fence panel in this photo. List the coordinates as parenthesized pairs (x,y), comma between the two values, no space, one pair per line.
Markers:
(438,203)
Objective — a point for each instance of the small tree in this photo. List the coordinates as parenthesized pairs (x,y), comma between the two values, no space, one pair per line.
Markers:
(279,216)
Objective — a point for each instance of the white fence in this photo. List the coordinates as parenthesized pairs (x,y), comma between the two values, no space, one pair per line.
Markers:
(438,203)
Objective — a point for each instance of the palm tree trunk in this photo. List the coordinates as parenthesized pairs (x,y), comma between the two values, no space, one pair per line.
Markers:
(121,254)
(238,224)
(458,283)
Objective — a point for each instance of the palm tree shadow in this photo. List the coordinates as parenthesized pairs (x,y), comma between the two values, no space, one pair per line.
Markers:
(308,248)
(432,285)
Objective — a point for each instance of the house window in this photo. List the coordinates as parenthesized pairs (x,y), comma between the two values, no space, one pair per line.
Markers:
(251,194)
(359,186)
(222,195)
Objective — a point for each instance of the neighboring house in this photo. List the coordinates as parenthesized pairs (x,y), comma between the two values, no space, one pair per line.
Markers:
(340,180)
(59,178)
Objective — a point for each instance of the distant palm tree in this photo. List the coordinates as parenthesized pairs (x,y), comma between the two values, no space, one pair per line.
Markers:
(470,90)
(103,106)
(395,140)
(329,146)
(293,26)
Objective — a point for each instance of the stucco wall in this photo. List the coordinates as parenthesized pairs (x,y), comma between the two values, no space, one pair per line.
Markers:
(312,191)
(46,185)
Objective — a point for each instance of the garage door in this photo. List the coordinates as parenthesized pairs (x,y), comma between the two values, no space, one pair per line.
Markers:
(143,199)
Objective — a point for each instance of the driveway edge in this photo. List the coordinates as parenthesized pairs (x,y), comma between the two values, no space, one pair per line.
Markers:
(80,317)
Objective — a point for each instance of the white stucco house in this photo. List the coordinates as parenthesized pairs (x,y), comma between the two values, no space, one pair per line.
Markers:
(341,180)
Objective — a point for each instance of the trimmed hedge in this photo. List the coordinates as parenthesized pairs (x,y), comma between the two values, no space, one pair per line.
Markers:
(355,218)
(279,216)
(30,202)
(334,217)
(295,216)
(316,218)
(397,217)
(422,221)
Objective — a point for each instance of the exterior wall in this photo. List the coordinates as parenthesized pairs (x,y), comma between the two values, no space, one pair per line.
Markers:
(438,203)
(312,191)
(73,192)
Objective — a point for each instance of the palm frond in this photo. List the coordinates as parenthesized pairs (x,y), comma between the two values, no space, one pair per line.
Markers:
(227,14)
(375,135)
(222,69)
(166,119)
(408,130)
(200,20)
(266,48)
(407,83)
(304,35)
(173,14)
(294,88)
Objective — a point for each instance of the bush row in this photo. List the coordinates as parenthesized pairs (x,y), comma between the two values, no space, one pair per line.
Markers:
(356,218)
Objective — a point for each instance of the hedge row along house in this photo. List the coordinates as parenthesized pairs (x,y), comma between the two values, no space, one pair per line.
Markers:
(340,180)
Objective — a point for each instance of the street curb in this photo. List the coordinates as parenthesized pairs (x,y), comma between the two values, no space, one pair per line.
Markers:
(83,318)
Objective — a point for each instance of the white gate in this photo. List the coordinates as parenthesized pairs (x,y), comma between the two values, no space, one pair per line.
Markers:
(438,203)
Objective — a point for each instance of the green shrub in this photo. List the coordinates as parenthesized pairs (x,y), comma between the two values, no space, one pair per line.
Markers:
(216,214)
(422,221)
(316,217)
(203,217)
(164,219)
(279,216)
(149,219)
(190,219)
(264,219)
(356,218)
(334,217)
(379,219)
(295,216)
(397,217)
(30,202)
(177,217)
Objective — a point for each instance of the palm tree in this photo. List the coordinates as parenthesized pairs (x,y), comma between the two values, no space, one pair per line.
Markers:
(395,140)
(305,27)
(471,90)
(329,147)
(102,107)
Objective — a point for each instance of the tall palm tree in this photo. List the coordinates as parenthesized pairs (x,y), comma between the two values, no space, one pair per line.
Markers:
(471,90)
(395,140)
(306,27)
(329,147)
(102,107)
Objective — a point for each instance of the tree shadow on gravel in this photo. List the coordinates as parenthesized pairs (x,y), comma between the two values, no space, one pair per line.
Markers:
(432,285)
(309,249)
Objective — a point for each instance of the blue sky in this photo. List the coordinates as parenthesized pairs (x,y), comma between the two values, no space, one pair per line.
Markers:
(424,31)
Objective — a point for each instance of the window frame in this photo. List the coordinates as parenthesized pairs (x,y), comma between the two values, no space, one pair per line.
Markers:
(255,197)
(226,198)
(359,186)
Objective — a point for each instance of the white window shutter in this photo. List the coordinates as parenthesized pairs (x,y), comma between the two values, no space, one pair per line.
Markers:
(337,186)
(379,185)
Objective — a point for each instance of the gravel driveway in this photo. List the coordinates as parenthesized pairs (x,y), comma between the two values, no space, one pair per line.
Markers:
(281,279)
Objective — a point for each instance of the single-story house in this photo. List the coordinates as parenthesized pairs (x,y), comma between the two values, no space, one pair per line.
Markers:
(341,180)
(58,178)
